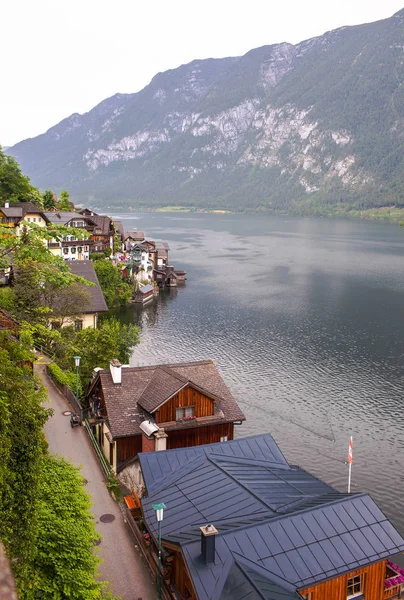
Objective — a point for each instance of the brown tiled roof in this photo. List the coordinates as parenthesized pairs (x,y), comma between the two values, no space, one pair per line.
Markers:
(85,268)
(141,385)
(102,222)
(163,384)
(118,225)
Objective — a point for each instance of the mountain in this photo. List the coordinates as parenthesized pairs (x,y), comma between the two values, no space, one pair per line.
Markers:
(305,127)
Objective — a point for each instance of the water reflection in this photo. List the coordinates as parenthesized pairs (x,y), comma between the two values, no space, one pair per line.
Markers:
(305,320)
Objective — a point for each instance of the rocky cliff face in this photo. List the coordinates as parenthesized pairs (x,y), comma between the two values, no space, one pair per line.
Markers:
(284,126)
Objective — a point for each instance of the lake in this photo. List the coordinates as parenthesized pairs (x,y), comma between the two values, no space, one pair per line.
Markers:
(305,319)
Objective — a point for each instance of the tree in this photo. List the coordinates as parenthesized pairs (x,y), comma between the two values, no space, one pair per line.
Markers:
(64,204)
(98,346)
(116,292)
(22,447)
(14,186)
(49,199)
(65,565)
(69,303)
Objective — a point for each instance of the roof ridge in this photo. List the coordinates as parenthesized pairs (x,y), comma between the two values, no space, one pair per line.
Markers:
(243,561)
(172,373)
(174,476)
(169,365)
(279,517)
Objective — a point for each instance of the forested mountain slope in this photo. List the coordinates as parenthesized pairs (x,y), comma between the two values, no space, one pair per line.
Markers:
(291,127)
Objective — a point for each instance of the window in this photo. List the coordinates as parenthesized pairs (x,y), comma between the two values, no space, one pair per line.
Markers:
(79,249)
(65,250)
(85,248)
(184,412)
(73,250)
(34,220)
(28,219)
(78,325)
(355,586)
(223,438)
(39,220)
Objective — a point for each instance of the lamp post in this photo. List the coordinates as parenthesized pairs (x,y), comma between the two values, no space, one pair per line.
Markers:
(77,363)
(159,508)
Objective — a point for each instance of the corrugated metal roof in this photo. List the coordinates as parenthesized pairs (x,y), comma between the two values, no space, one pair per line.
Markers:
(280,528)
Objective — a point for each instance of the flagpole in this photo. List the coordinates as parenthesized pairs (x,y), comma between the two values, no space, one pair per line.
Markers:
(350,457)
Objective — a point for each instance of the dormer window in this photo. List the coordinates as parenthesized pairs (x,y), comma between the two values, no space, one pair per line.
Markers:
(182,412)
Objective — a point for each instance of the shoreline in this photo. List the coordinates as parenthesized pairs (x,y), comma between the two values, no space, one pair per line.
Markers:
(388,214)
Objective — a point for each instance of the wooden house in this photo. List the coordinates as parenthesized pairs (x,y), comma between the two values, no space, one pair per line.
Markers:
(187,404)
(240,522)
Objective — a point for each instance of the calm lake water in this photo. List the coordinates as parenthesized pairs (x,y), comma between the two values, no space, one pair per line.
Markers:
(305,320)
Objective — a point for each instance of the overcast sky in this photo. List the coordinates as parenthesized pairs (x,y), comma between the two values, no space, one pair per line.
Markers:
(64,57)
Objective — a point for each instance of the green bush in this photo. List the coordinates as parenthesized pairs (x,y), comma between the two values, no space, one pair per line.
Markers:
(63,377)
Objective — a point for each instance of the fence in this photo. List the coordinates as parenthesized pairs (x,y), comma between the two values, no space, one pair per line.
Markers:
(103,460)
(68,394)
(149,553)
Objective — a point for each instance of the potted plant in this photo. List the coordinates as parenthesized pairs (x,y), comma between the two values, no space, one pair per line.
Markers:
(147,538)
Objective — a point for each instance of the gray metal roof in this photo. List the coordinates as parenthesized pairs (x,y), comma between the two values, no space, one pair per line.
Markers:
(280,528)
(85,268)
(146,288)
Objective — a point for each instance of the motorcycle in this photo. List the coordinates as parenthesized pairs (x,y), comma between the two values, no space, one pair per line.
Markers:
(75,420)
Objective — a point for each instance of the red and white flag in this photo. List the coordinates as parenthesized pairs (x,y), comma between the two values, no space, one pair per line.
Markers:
(350,455)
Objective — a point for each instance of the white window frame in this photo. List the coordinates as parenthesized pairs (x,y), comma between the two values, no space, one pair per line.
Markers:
(224,438)
(360,582)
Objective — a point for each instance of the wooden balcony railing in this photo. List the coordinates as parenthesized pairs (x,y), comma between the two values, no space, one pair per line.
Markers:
(392,593)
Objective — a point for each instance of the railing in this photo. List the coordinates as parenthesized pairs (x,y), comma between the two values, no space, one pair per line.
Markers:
(392,593)
(149,553)
(103,460)
(68,394)
(44,351)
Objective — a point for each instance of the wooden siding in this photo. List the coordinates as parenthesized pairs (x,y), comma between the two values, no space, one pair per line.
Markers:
(336,589)
(128,447)
(196,436)
(179,575)
(189,396)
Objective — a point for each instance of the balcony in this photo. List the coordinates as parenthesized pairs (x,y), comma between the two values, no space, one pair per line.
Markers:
(393,593)
(394,581)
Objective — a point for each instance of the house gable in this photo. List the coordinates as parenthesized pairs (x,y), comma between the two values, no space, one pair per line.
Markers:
(198,402)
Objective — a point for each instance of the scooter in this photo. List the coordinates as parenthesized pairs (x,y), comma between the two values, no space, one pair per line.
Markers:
(75,420)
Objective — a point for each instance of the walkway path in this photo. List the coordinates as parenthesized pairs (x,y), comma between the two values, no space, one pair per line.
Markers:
(122,564)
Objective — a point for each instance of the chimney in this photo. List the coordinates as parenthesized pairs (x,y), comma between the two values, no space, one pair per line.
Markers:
(208,543)
(7,205)
(161,440)
(115,368)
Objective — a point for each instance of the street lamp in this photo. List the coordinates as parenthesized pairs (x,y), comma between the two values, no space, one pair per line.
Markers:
(77,363)
(159,508)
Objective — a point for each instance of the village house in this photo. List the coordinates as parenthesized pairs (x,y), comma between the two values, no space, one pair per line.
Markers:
(240,522)
(70,247)
(135,409)
(12,215)
(87,315)
(130,238)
